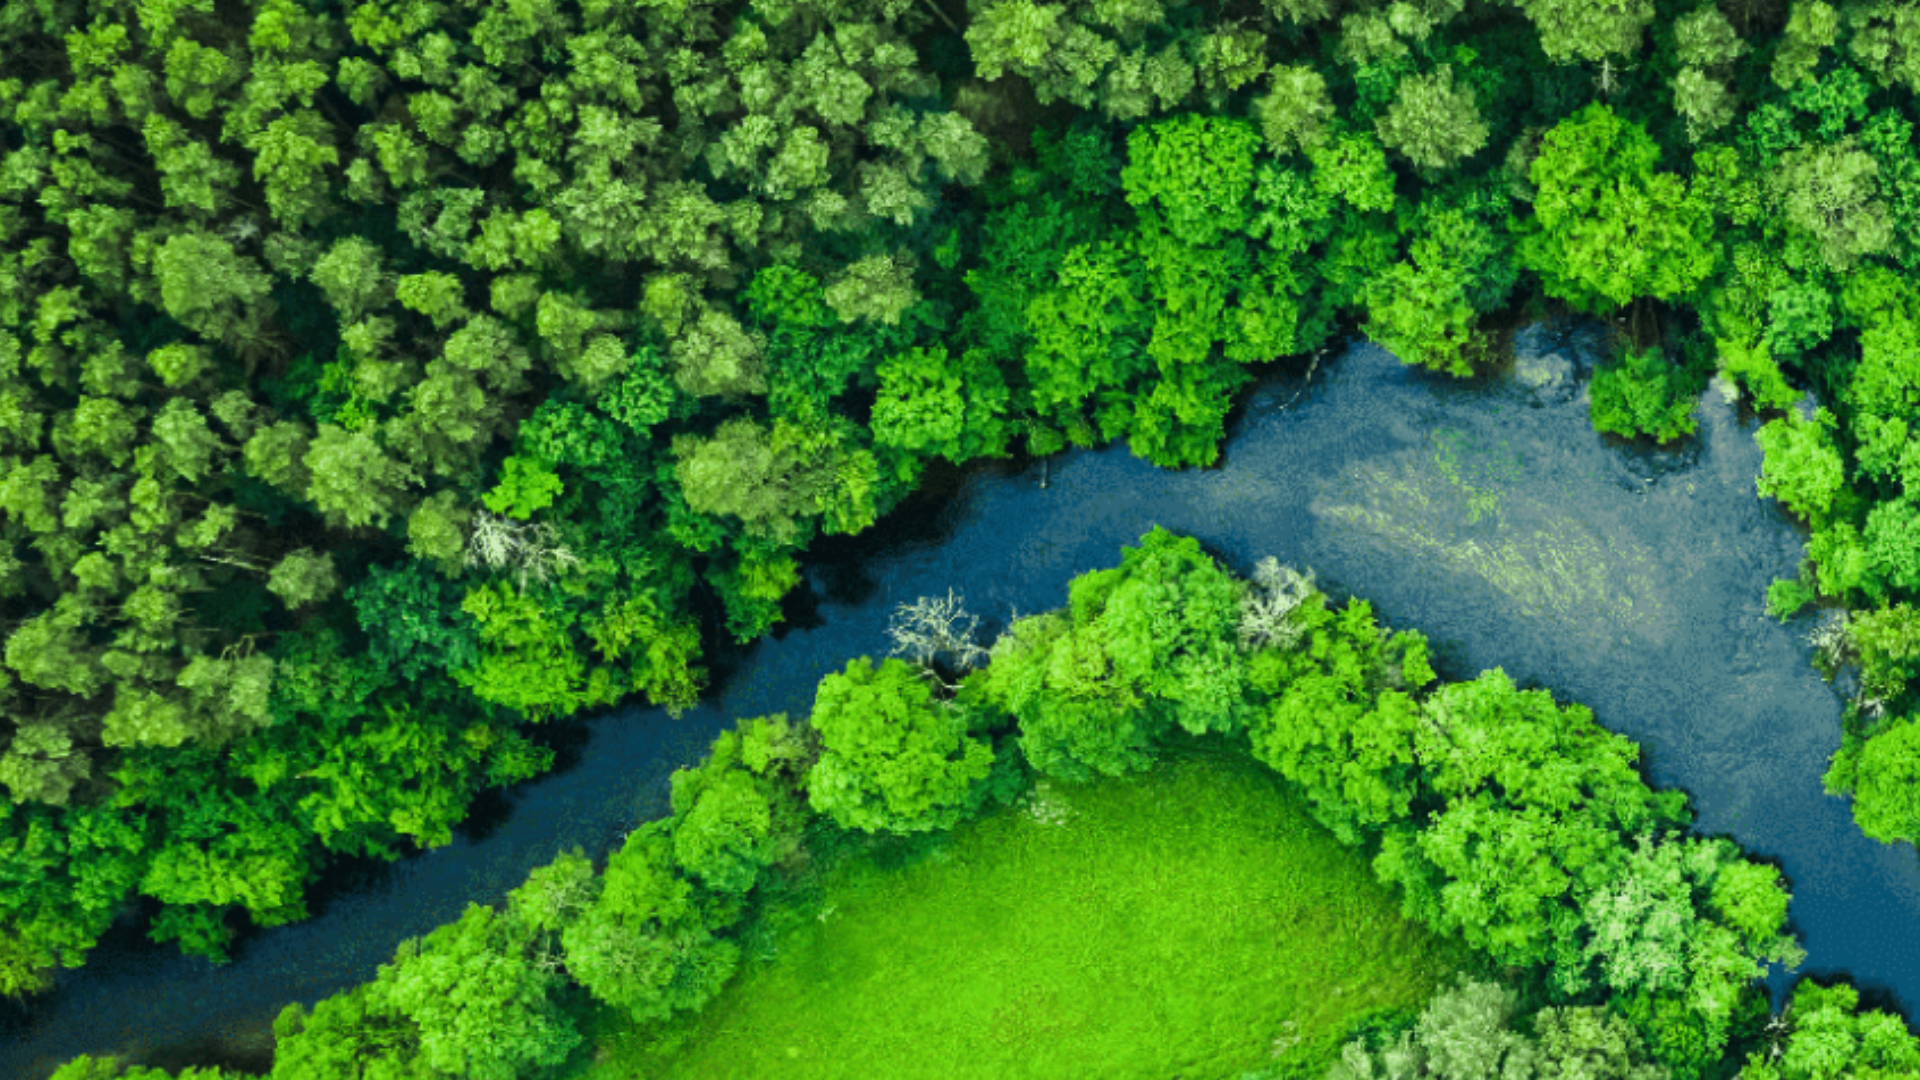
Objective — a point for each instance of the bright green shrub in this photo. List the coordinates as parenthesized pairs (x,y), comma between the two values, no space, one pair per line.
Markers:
(1642,394)
(648,942)
(893,758)
(740,810)
(1800,465)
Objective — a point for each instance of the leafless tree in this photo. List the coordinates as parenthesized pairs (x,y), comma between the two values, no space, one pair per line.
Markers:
(532,549)
(1266,611)
(932,627)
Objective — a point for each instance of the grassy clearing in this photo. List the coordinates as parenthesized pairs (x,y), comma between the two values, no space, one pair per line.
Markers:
(1192,922)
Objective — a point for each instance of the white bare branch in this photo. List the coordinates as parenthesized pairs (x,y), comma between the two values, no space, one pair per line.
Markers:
(933,626)
(531,549)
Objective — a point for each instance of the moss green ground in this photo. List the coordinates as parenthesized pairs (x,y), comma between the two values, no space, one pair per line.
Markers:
(1191,922)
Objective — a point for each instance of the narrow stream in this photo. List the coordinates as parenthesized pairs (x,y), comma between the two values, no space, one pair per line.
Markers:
(1487,514)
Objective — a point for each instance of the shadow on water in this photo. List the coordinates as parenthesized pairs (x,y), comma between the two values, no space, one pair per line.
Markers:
(1486,513)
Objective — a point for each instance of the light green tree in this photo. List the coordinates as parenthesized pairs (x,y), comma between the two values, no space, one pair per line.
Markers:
(893,759)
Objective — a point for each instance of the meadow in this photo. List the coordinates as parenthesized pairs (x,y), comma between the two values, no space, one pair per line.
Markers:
(1192,920)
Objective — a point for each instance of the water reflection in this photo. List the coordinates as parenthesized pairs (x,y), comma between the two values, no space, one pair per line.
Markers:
(1486,513)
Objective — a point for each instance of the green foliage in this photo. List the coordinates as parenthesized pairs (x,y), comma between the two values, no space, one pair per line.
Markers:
(646,942)
(1800,465)
(1433,122)
(1830,1036)
(482,1006)
(1787,596)
(1812,26)
(1193,173)
(528,662)
(1294,114)
(932,404)
(1341,722)
(1424,309)
(739,811)
(1589,29)
(1878,767)
(350,1035)
(526,485)
(1829,195)
(893,757)
(1088,338)
(1642,393)
(1471,1030)
(1148,645)
(1606,228)
(1752,367)
(778,481)
(1353,167)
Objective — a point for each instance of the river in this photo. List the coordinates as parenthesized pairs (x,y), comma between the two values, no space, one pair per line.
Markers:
(1485,513)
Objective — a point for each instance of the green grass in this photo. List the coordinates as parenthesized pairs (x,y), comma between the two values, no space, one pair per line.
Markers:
(1192,922)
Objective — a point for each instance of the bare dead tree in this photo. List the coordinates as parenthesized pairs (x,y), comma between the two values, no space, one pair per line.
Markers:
(933,627)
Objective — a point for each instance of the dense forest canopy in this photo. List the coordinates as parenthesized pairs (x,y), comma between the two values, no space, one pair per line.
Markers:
(378,381)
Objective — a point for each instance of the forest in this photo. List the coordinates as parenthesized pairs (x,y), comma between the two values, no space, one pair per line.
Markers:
(381,384)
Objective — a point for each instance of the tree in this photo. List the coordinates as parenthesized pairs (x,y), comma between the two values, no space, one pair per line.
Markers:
(1606,228)
(1076,719)
(1341,721)
(1881,771)
(740,811)
(1885,40)
(1193,174)
(1653,930)
(481,1007)
(1703,102)
(1812,27)
(1800,466)
(893,758)
(1294,114)
(529,662)
(932,627)
(715,356)
(1829,194)
(303,578)
(1268,611)
(208,286)
(776,480)
(526,485)
(1641,393)
(1826,1035)
(352,278)
(933,404)
(353,481)
(1144,646)
(1468,1031)
(346,1035)
(1168,617)
(878,288)
(89,1068)
(1589,29)
(1433,122)
(647,943)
